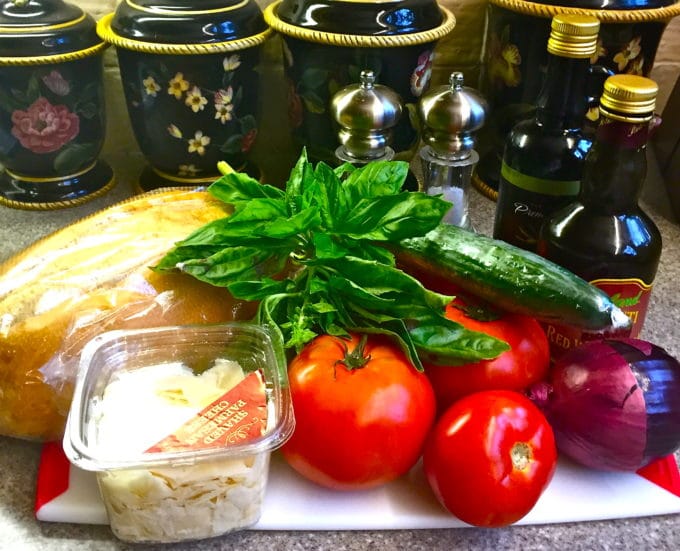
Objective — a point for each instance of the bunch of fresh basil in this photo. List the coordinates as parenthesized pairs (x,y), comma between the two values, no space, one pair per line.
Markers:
(316,255)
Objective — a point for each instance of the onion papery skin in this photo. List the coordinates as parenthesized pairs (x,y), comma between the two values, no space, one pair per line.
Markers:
(613,404)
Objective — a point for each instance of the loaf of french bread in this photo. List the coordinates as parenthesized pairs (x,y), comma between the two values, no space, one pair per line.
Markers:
(90,277)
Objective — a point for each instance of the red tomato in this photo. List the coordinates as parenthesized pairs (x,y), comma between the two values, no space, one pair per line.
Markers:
(489,457)
(357,428)
(526,362)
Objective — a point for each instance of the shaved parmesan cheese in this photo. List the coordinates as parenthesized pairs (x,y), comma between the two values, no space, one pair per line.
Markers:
(142,407)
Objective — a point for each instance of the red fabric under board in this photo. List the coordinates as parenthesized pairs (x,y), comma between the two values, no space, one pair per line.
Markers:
(663,472)
(53,474)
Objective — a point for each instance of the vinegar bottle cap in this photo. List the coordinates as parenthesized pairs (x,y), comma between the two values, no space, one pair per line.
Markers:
(629,98)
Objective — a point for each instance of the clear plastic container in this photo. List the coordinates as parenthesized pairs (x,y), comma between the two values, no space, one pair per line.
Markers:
(179,423)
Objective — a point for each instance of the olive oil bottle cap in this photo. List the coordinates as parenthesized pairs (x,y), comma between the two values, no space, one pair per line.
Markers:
(629,98)
(573,36)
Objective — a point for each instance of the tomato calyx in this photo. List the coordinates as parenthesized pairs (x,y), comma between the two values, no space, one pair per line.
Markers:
(520,455)
(355,359)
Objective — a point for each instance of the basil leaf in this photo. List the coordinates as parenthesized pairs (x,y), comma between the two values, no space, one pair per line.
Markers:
(236,187)
(300,223)
(442,341)
(397,331)
(326,247)
(181,254)
(239,228)
(375,179)
(299,178)
(233,264)
(335,201)
(392,218)
(368,251)
(259,209)
(257,289)
(379,279)
(350,290)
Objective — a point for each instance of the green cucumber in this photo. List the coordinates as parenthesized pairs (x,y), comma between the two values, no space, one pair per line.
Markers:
(511,278)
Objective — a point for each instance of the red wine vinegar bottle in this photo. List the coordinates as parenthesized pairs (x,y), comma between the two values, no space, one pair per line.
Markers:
(604,236)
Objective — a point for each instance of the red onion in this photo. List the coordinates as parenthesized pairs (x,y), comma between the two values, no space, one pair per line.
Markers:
(613,404)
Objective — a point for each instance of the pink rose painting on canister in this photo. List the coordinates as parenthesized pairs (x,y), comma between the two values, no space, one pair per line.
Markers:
(43,127)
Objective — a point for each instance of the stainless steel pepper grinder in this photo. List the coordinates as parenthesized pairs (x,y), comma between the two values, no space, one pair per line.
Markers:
(366,112)
(450,116)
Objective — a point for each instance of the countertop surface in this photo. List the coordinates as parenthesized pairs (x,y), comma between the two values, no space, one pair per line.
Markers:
(19,459)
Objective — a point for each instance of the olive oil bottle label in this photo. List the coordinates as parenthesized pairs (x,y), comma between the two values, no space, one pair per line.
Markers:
(540,186)
(524,201)
(631,295)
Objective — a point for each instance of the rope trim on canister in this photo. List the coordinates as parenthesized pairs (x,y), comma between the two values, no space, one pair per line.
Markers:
(105,31)
(55,58)
(605,16)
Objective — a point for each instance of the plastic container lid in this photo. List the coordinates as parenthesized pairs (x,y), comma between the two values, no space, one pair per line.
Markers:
(113,353)
(45,31)
(184,26)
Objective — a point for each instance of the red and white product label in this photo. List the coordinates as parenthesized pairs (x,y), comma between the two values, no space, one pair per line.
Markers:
(631,295)
(235,417)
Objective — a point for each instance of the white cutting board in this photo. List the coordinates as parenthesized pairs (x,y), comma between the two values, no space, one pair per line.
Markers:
(292,503)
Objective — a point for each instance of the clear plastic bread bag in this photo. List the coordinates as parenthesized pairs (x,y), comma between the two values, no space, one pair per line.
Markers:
(89,277)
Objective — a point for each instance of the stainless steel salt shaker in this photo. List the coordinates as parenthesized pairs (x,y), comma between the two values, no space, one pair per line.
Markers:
(450,116)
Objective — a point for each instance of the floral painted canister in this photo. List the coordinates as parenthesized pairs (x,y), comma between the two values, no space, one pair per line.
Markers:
(515,57)
(52,112)
(328,43)
(189,72)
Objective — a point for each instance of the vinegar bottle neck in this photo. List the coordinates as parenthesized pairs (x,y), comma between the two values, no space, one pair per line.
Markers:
(616,166)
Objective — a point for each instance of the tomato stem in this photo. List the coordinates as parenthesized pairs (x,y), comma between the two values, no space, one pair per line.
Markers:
(357,358)
(520,454)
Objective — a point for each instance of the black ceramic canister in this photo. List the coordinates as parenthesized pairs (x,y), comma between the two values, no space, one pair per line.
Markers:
(52,112)
(515,60)
(328,43)
(190,75)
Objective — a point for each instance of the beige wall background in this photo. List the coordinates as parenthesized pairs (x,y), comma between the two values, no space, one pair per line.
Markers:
(459,51)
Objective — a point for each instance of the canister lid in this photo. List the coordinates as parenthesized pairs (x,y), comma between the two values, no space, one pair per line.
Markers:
(573,36)
(629,97)
(184,26)
(361,23)
(45,31)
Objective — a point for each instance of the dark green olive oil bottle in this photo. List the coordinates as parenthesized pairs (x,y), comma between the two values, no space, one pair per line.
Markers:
(543,156)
